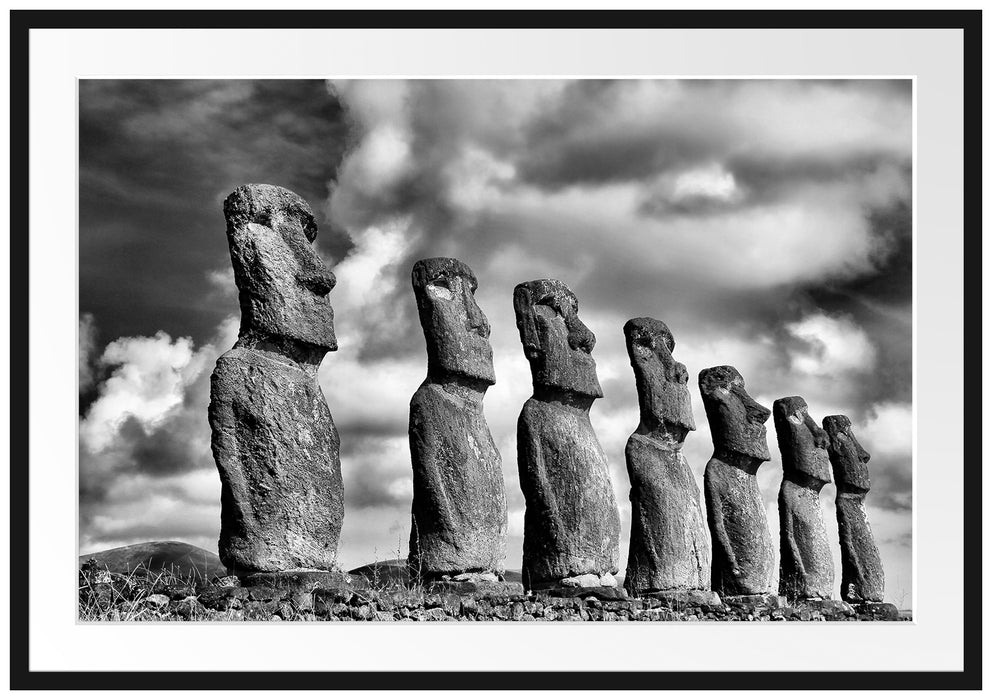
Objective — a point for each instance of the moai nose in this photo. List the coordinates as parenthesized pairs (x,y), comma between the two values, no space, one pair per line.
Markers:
(579,335)
(681,374)
(318,280)
(477,320)
(755,411)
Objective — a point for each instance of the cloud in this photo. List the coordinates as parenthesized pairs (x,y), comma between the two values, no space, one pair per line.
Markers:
(145,442)
(831,346)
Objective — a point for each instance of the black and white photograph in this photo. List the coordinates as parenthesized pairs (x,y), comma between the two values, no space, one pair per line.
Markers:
(545,349)
(496,350)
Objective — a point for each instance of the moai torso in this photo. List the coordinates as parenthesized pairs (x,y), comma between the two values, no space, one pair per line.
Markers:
(862,577)
(459,505)
(806,569)
(669,547)
(743,552)
(571,522)
(272,435)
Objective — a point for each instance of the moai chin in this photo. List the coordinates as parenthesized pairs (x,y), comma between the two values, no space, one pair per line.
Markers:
(459,505)
(669,547)
(571,522)
(807,567)
(273,439)
(862,577)
(743,552)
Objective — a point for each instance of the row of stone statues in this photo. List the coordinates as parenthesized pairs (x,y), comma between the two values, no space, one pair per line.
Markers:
(277,449)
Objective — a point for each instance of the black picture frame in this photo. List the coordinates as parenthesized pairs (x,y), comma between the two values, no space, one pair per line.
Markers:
(23,21)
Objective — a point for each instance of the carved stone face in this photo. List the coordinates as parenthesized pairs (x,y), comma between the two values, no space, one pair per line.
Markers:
(802,442)
(662,382)
(282,282)
(556,342)
(457,331)
(737,422)
(847,457)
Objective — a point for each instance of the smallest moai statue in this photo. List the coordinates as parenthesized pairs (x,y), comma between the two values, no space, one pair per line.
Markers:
(806,569)
(862,578)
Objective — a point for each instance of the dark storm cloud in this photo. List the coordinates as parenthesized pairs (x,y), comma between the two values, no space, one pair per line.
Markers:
(157,158)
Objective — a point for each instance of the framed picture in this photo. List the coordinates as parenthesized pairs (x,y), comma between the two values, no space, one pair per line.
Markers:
(683,381)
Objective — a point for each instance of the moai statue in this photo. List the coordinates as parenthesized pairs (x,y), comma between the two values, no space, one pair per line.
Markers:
(862,578)
(743,552)
(807,567)
(571,522)
(459,505)
(273,439)
(669,547)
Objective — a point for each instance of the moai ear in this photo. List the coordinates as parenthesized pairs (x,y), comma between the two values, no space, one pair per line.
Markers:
(526,323)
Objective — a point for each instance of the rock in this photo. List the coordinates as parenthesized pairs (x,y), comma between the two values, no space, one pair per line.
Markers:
(743,560)
(571,520)
(482,589)
(190,608)
(226,581)
(685,598)
(669,547)
(288,583)
(585,581)
(459,503)
(829,608)
(599,592)
(216,597)
(157,601)
(264,593)
(862,577)
(767,600)
(807,565)
(273,439)
(878,611)
(435,615)
(477,577)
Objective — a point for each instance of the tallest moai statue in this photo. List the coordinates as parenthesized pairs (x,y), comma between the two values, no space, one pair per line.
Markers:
(273,439)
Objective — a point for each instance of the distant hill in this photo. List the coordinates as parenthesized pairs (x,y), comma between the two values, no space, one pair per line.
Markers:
(185,560)
(389,571)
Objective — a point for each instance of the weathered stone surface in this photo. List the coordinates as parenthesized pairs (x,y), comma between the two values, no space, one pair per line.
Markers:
(598,592)
(288,583)
(480,589)
(862,577)
(459,504)
(829,607)
(886,612)
(683,598)
(571,521)
(767,600)
(807,568)
(669,546)
(273,438)
(743,552)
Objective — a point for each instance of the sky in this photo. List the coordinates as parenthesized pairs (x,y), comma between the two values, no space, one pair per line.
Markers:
(768,223)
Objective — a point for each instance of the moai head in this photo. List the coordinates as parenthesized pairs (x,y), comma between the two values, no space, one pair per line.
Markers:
(662,382)
(282,283)
(457,331)
(556,342)
(737,422)
(802,442)
(847,457)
